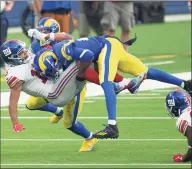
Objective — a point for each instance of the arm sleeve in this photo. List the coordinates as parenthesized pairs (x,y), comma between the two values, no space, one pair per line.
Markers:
(182,125)
(79,54)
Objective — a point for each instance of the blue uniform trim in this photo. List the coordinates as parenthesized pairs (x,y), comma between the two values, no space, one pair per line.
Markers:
(107,58)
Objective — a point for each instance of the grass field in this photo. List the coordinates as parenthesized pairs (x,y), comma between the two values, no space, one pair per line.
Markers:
(148,137)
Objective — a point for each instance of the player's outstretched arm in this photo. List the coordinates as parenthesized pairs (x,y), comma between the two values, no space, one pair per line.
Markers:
(51,36)
(14,98)
(58,36)
(188,155)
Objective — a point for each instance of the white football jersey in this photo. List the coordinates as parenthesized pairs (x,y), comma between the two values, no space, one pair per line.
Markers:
(184,120)
(34,84)
(58,92)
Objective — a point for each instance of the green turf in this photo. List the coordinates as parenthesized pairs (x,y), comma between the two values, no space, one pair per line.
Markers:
(153,40)
(106,151)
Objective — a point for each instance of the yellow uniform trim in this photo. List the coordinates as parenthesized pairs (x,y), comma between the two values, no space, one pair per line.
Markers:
(42,58)
(68,57)
(49,22)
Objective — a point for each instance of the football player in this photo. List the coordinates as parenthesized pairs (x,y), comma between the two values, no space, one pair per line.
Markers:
(110,56)
(65,91)
(178,104)
(45,36)
(49,26)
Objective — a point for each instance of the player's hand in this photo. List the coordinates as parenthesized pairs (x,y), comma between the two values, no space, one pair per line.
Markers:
(178,157)
(80,78)
(18,127)
(36,34)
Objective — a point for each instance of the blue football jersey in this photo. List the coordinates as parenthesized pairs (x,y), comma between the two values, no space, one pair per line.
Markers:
(37,45)
(84,49)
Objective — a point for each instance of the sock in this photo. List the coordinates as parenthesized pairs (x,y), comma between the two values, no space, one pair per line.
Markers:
(51,108)
(118,78)
(159,75)
(110,98)
(91,76)
(79,129)
(121,85)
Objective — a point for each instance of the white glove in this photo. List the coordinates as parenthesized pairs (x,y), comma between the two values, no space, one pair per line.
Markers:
(36,34)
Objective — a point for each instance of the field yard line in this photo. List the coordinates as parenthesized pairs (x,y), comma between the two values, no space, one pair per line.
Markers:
(139,94)
(161,90)
(97,164)
(126,98)
(119,118)
(51,139)
(159,63)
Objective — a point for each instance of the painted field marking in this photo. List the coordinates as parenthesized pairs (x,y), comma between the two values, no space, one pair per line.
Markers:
(97,164)
(95,118)
(160,63)
(105,140)
(126,98)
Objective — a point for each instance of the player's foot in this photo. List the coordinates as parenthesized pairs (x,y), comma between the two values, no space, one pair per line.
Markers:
(56,117)
(135,83)
(188,86)
(88,145)
(110,131)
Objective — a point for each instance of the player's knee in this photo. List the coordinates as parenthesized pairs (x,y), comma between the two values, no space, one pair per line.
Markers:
(30,105)
(67,123)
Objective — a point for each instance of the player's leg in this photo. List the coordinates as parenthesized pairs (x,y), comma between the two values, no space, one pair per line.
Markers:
(134,66)
(107,68)
(39,103)
(72,110)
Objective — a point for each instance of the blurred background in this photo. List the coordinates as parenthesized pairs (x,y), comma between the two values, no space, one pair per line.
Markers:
(162,28)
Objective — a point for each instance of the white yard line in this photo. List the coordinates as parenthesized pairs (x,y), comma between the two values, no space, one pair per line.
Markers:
(108,140)
(99,118)
(159,63)
(139,94)
(128,98)
(97,164)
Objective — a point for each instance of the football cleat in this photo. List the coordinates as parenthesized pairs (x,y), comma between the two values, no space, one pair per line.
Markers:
(110,131)
(88,145)
(188,86)
(135,83)
(55,118)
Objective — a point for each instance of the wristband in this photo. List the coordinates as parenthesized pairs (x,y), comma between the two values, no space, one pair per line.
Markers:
(52,36)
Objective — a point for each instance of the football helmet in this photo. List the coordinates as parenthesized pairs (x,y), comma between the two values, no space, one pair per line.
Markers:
(177,101)
(14,52)
(46,63)
(48,25)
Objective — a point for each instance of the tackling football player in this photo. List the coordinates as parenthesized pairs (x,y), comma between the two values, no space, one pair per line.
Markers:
(110,56)
(178,104)
(45,36)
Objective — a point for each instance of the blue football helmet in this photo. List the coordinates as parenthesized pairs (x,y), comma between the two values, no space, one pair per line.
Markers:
(14,52)
(46,63)
(48,25)
(177,101)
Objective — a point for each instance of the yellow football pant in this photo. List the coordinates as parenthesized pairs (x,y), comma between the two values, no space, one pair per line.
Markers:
(113,57)
(73,109)
(35,102)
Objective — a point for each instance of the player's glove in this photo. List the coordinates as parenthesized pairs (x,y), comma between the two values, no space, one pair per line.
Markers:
(18,127)
(34,33)
(178,157)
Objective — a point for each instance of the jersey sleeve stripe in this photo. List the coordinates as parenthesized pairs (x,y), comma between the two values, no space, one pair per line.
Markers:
(12,81)
(183,125)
